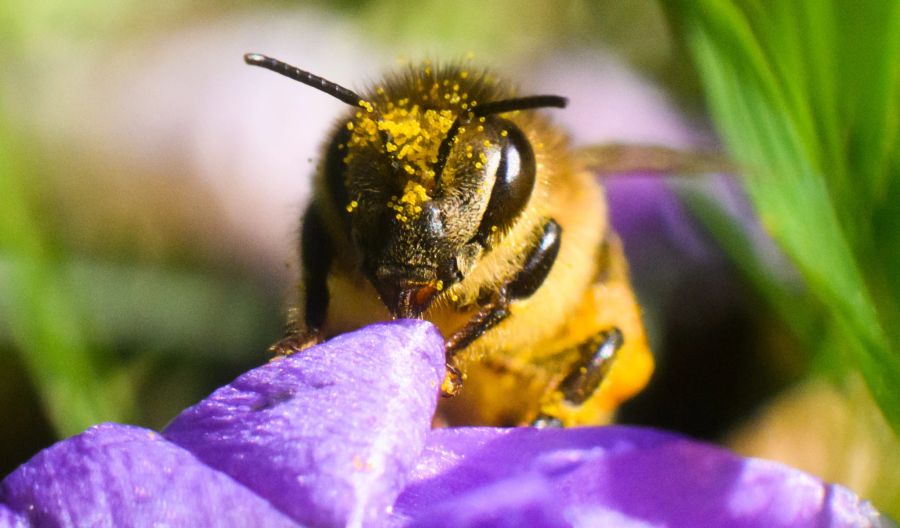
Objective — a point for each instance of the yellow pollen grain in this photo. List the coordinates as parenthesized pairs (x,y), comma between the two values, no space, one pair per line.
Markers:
(487,143)
(464,74)
(350,125)
(493,229)
(454,297)
(504,133)
(439,285)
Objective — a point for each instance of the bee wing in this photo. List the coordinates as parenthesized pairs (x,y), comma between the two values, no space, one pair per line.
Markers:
(621,158)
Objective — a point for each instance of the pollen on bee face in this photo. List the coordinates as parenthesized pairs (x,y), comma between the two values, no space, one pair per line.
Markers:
(409,205)
(415,136)
(367,105)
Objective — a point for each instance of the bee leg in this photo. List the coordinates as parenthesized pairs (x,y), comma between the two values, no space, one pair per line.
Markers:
(545,421)
(489,316)
(532,275)
(594,358)
(316,256)
(596,355)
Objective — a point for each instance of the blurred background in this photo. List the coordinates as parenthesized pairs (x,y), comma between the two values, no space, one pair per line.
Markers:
(151,184)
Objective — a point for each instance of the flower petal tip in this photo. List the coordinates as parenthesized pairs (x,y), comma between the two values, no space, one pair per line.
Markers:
(329,434)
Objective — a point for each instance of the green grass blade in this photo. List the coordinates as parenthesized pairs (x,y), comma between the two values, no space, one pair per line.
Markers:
(814,155)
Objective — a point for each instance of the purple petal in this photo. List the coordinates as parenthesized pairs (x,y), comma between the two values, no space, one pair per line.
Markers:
(117,475)
(11,519)
(617,476)
(527,500)
(328,435)
(647,214)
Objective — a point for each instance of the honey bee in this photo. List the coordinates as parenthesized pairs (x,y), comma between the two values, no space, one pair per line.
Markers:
(443,195)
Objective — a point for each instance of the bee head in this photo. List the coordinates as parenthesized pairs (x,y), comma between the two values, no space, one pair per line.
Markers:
(425,172)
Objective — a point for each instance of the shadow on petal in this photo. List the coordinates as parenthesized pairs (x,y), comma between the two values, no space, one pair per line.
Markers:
(621,476)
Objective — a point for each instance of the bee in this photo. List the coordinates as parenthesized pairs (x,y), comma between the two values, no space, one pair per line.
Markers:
(444,195)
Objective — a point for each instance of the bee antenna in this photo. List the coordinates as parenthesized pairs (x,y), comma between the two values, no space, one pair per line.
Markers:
(520,103)
(494,107)
(323,85)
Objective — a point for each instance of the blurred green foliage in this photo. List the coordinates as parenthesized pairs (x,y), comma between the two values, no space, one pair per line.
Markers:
(38,311)
(806,95)
(107,332)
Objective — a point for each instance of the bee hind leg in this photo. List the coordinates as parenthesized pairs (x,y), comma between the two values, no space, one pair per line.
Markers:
(594,358)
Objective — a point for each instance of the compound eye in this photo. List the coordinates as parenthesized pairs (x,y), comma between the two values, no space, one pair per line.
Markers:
(513,183)
(335,168)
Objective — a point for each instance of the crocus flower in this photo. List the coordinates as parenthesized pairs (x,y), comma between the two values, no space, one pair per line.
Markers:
(339,435)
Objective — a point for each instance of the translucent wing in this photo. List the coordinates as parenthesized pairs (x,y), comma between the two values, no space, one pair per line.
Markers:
(621,158)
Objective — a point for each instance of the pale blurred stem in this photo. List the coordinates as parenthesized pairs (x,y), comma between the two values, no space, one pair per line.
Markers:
(43,323)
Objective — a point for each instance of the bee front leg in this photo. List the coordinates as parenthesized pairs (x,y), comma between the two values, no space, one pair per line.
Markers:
(316,255)
(489,316)
(522,285)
